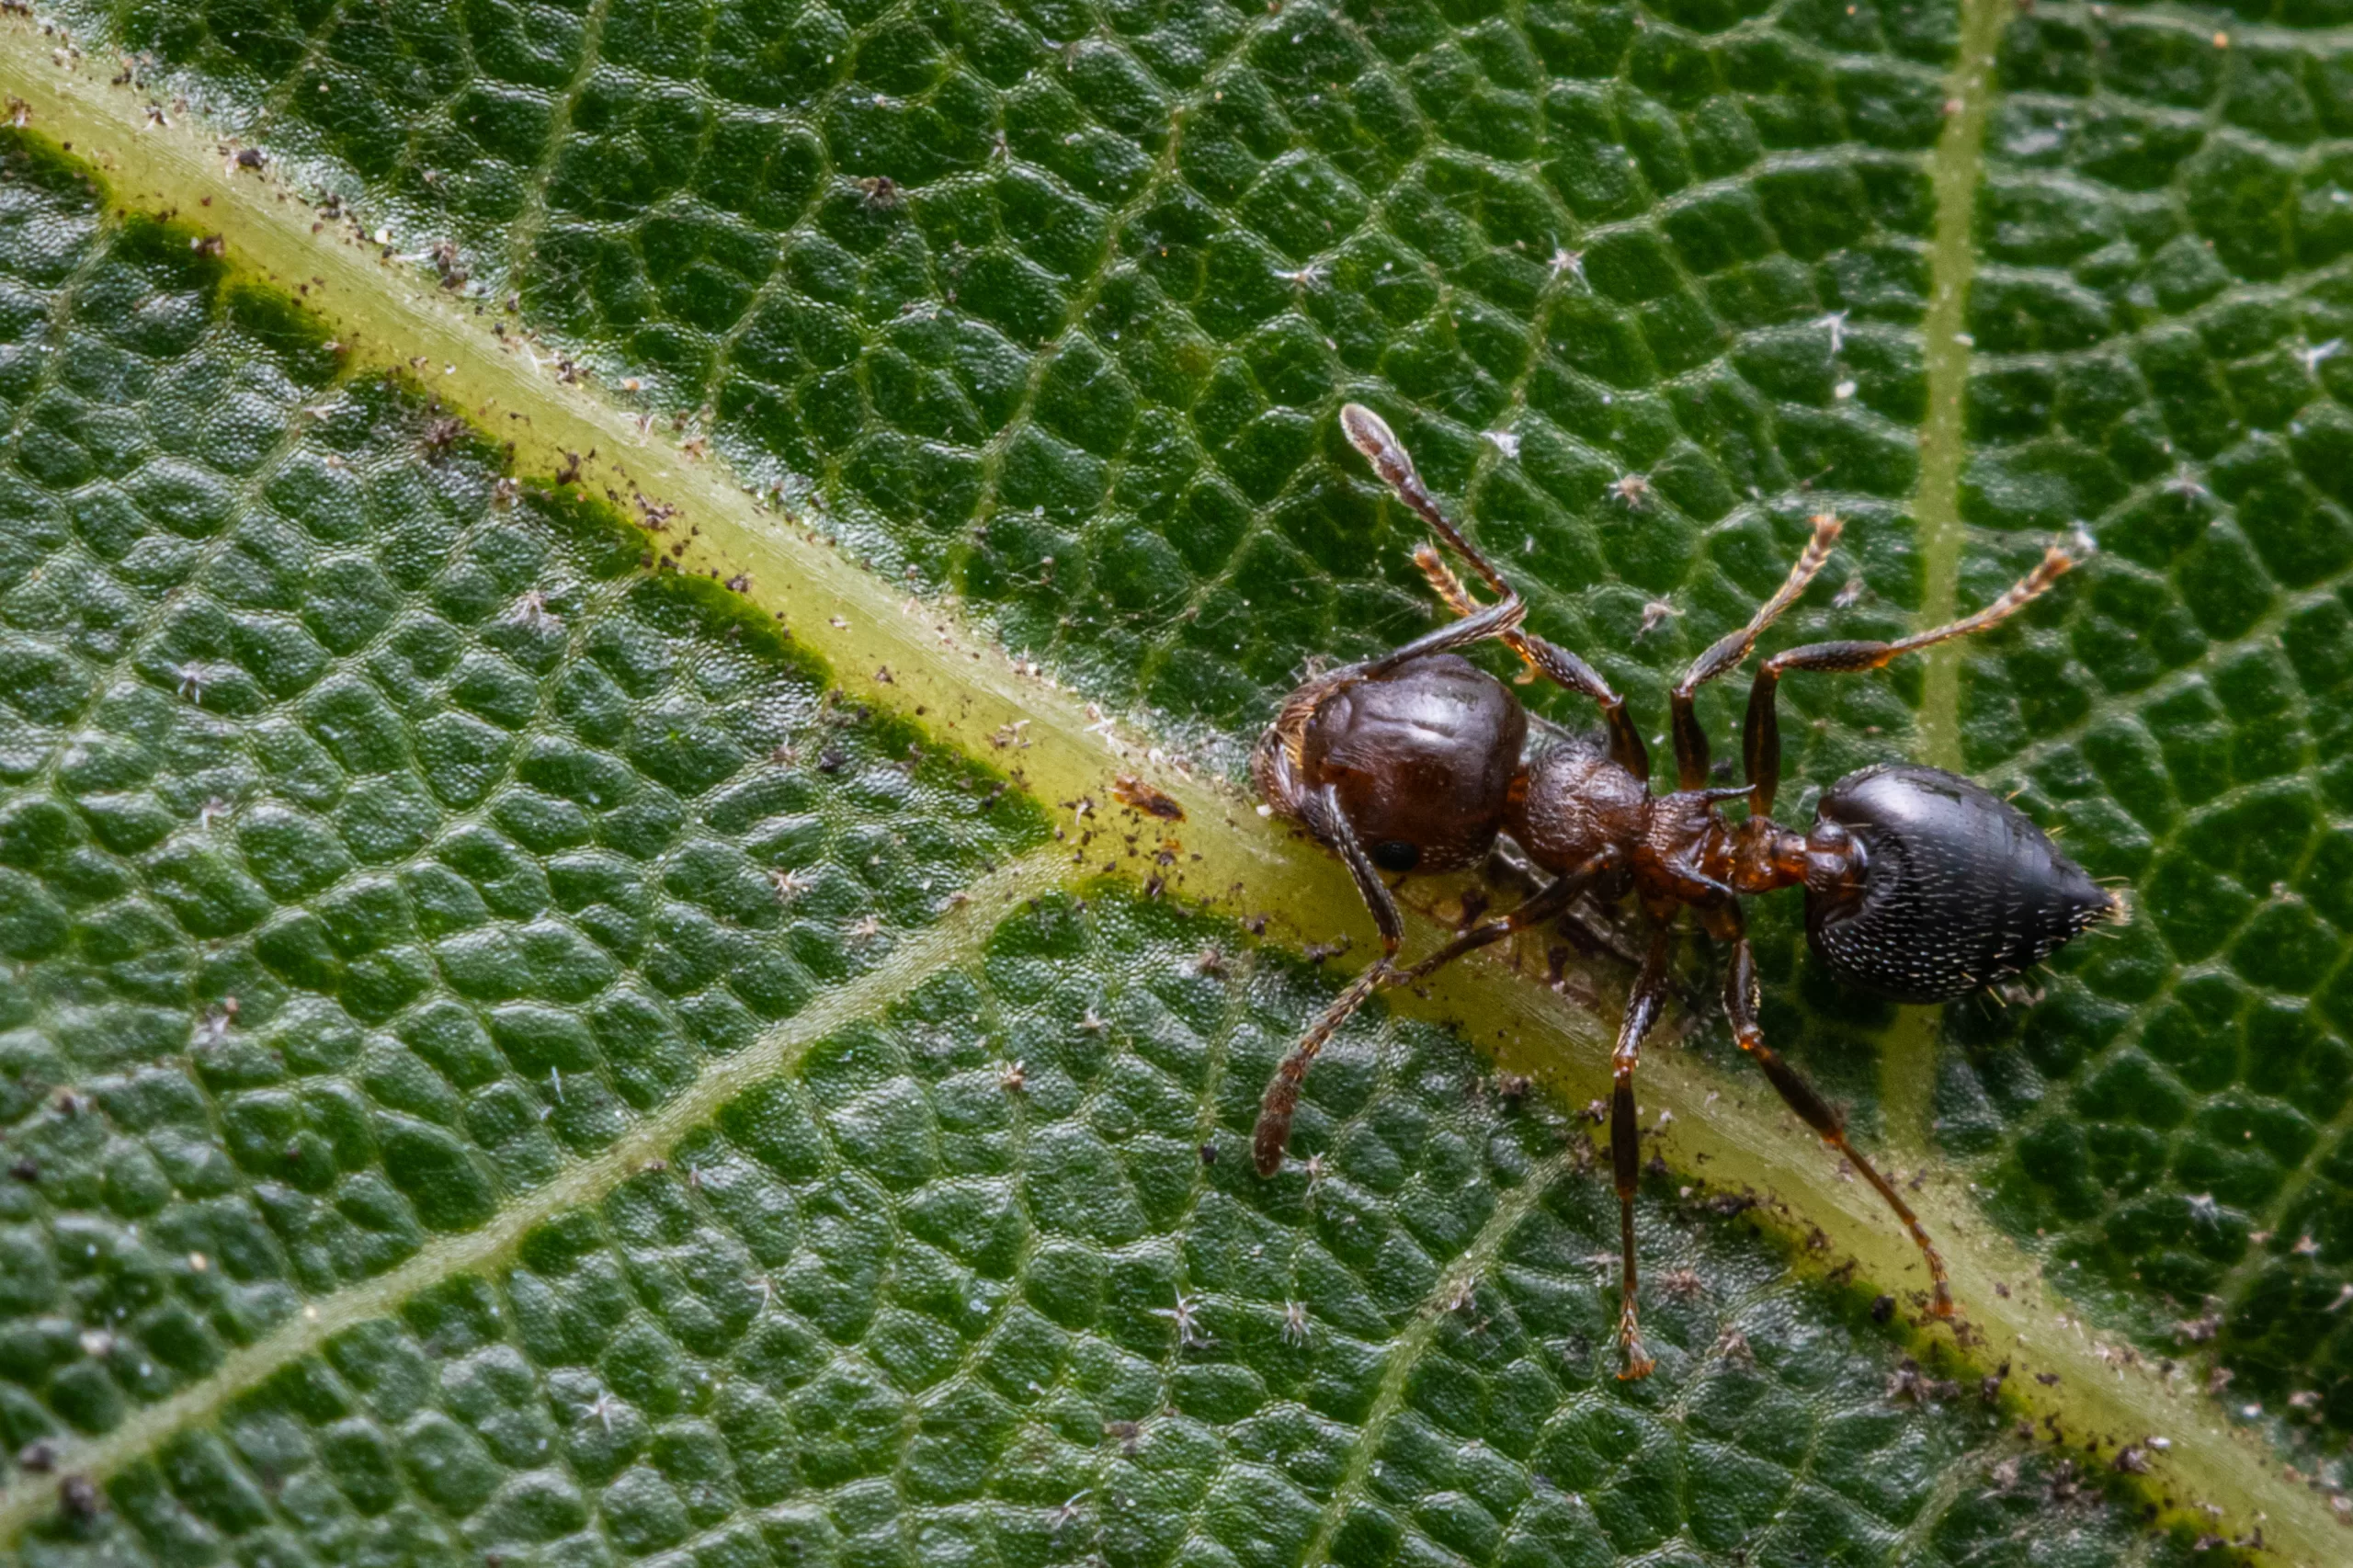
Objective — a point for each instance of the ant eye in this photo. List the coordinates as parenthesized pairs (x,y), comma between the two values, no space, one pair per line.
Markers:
(1396,855)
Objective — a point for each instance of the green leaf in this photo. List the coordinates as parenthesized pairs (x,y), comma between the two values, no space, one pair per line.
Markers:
(2157,318)
(444,1125)
(1049,309)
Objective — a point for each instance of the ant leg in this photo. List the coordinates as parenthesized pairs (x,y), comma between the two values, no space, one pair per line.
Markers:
(1539,906)
(1371,436)
(1552,661)
(1739,1005)
(1327,822)
(1690,741)
(1761,735)
(1625,1152)
(1501,618)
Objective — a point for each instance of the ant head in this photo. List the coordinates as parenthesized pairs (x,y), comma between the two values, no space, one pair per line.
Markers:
(1423,760)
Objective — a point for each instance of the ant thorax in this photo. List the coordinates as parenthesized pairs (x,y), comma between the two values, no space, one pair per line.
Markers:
(1572,803)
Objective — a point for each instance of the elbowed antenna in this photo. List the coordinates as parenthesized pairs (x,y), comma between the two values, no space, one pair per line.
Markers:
(1370,435)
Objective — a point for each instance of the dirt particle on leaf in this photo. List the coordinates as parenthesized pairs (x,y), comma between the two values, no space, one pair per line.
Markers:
(1908,1384)
(1133,792)
(78,1497)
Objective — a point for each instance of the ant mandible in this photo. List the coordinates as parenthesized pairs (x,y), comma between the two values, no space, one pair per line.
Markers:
(1919,885)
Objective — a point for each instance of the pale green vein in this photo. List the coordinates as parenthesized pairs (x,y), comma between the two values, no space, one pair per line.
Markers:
(1914,1543)
(315,49)
(1908,1053)
(534,215)
(1417,1336)
(778,282)
(1089,294)
(956,937)
(1955,171)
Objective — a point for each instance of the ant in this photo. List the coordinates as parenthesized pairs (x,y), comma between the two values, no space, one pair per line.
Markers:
(1920,885)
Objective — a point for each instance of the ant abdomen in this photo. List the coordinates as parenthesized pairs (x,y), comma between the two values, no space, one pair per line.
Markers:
(1946,888)
(1422,758)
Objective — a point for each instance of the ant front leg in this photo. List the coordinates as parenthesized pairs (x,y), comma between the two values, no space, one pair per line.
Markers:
(1761,735)
(1625,1149)
(1370,435)
(1740,1007)
(1321,809)
(1501,618)
(1690,741)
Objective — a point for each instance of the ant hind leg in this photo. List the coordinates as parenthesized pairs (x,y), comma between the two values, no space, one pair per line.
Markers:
(1761,735)
(1739,1005)
(1625,1150)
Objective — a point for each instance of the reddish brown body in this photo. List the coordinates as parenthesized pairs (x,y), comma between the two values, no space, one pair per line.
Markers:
(1920,884)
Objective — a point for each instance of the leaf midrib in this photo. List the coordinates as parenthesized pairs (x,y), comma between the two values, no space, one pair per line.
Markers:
(1909,1051)
(921,661)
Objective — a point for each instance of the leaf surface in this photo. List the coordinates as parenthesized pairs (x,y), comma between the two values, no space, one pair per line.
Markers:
(2157,314)
(560,1179)
(1080,375)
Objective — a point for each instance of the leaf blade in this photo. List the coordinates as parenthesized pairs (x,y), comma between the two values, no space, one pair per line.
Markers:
(1631,561)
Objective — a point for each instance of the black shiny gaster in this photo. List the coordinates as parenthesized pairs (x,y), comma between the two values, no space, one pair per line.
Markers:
(1958,891)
